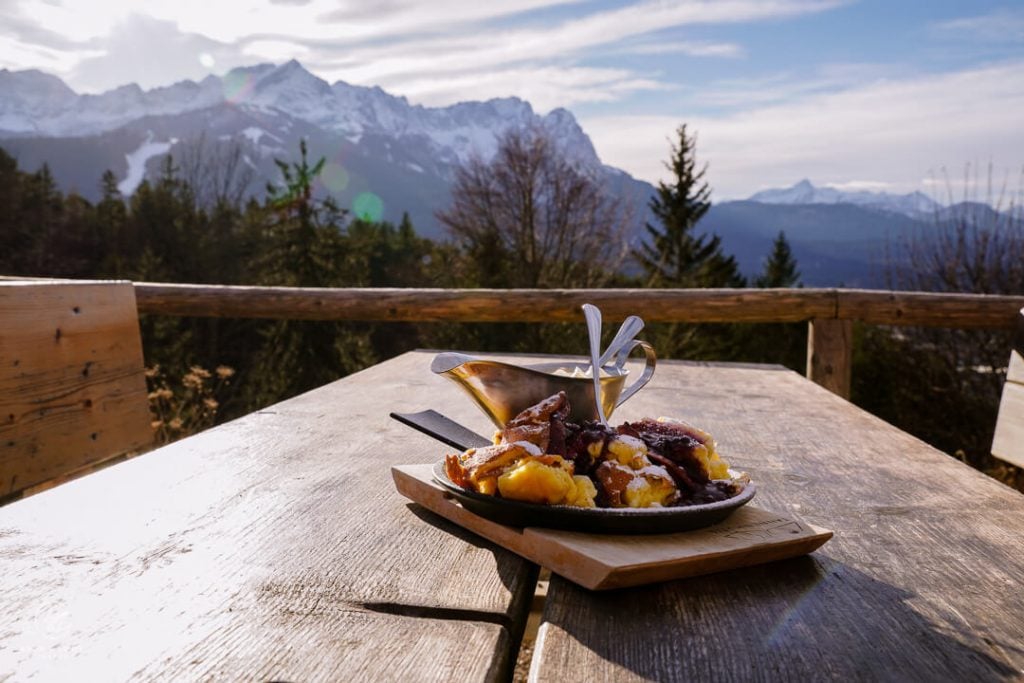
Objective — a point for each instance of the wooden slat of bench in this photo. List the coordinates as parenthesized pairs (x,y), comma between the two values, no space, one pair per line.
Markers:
(1015,370)
(923,579)
(1008,442)
(72,385)
(1008,439)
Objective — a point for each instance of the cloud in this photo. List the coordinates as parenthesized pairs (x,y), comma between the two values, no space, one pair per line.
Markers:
(275,50)
(544,88)
(444,17)
(894,132)
(430,68)
(784,86)
(152,53)
(1000,26)
(435,52)
(693,49)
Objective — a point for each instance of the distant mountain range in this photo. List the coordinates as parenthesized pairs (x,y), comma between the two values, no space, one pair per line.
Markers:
(375,143)
(403,156)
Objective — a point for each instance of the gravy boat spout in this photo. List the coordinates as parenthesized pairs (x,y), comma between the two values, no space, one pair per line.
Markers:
(503,390)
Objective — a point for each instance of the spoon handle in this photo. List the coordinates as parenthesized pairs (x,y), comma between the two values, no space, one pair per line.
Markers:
(631,327)
(593,316)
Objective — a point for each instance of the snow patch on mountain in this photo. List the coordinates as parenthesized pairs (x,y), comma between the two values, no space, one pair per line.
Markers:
(253,135)
(137,163)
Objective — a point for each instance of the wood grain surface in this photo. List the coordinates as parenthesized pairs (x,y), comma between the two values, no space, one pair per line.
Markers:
(72,388)
(924,579)
(273,547)
(563,305)
(483,305)
(1008,440)
(603,561)
(830,354)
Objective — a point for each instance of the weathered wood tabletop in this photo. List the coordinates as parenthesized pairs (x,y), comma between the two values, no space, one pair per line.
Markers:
(275,548)
(923,580)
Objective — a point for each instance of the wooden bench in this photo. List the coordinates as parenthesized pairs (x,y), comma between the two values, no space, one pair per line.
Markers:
(72,381)
(1008,442)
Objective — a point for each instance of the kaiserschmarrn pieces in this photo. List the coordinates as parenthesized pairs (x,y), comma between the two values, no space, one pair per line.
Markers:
(541,458)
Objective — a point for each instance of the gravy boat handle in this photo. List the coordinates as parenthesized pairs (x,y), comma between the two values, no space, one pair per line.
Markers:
(644,377)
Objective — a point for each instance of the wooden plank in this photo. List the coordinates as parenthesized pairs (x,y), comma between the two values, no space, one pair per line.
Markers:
(273,547)
(1015,368)
(1008,442)
(558,305)
(830,354)
(934,309)
(484,305)
(72,385)
(748,537)
(924,579)
(1008,439)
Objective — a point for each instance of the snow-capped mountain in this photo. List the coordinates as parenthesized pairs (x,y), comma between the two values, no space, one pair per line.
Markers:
(36,104)
(375,142)
(914,204)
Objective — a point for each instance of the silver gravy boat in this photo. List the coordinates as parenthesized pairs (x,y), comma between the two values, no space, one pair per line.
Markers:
(503,390)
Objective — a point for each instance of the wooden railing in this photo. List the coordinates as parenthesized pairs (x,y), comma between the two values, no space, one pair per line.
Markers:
(830,313)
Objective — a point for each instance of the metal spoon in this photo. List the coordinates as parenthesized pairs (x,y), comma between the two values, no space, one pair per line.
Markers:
(593,317)
(631,327)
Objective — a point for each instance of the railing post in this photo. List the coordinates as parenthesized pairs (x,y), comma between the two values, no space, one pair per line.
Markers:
(830,354)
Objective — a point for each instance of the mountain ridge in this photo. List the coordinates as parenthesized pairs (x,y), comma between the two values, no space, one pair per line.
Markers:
(33,105)
(403,156)
(375,142)
(914,204)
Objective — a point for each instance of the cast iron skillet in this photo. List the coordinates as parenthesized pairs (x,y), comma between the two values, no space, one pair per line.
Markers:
(594,520)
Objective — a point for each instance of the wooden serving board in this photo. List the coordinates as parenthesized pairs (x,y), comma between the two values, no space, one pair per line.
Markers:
(749,536)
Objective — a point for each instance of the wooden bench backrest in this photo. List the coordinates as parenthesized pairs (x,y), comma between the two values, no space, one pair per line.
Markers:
(72,380)
(1008,443)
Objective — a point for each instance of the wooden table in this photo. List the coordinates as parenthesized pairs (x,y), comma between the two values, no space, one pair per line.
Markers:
(275,548)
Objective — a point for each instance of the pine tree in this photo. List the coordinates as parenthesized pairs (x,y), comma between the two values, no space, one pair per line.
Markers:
(43,208)
(302,229)
(17,234)
(784,343)
(676,255)
(306,249)
(780,267)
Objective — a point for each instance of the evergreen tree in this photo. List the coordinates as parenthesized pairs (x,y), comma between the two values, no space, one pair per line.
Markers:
(111,219)
(676,255)
(780,267)
(304,233)
(306,249)
(784,343)
(43,208)
(16,234)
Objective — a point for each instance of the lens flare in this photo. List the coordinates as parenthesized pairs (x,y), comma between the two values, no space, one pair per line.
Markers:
(237,86)
(334,177)
(368,206)
(207,60)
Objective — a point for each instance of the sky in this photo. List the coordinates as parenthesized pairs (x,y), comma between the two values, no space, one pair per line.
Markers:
(884,95)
